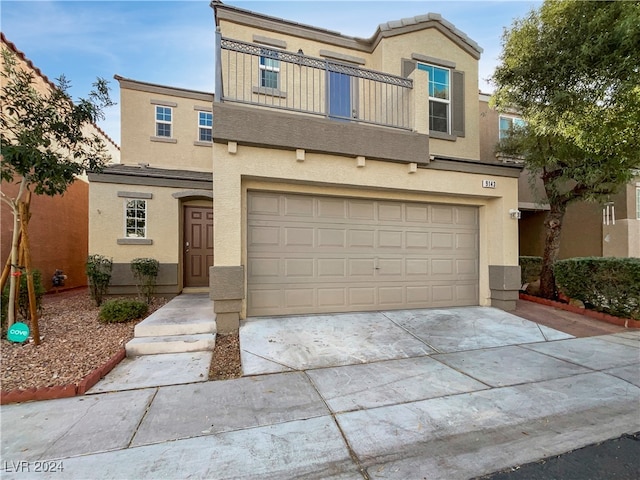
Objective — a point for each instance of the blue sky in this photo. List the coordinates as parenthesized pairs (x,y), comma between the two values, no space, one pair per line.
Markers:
(171,42)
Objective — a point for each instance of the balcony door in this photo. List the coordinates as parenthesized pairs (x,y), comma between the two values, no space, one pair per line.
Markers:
(341,103)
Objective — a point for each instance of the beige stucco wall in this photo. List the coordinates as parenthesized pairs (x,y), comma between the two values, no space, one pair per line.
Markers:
(433,43)
(138,126)
(278,170)
(106,224)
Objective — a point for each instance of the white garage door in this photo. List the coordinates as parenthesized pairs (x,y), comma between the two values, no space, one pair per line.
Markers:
(315,254)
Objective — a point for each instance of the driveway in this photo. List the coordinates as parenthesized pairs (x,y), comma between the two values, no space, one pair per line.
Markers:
(442,393)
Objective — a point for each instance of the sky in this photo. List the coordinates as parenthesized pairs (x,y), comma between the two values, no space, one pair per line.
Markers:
(171,42)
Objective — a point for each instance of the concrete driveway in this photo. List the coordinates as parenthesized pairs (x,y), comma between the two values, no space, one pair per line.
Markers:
(448,393)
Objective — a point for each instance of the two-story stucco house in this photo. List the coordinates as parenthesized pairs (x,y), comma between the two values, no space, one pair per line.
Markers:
(611,229)
(343,174)
(158,202)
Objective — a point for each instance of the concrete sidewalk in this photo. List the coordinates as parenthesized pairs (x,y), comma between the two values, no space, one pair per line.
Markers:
(443,393)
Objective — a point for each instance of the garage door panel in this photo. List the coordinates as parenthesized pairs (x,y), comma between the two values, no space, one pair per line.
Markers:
(331,208)
(440,267)
(466,216)
(332,267)
(442,241)
(419,240)
(362,296)
(361,238)
(311,254)
(442,293)
(467,267)
(391,297)
(361,267)
(263,204)
(261,268)
(263,236)
(299,268)
(332,297)
(466,241)
(331,237)
(417,267)
(418,296)
(298,206)
(265,300)
(390,239)
(392,212)
(417,213)
(298,237)
(299,298)
(361,210)
(441,214)
(390,267)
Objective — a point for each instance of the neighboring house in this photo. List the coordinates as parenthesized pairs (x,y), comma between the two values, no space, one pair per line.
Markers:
(344,175)
(58,229)
(589,229)
(158,203)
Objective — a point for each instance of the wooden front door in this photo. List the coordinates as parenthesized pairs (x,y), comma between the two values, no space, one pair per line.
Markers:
(198,245)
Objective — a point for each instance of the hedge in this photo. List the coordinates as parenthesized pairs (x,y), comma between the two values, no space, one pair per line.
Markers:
(610,285)
(530,268)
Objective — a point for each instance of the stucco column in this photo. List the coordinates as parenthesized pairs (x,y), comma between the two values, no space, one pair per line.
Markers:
(504,271)
(227,274)
(420,101)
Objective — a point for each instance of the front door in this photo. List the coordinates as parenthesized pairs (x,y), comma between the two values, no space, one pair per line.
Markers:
(198,245)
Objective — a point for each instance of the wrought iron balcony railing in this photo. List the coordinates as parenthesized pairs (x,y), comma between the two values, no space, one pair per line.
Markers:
(258,75)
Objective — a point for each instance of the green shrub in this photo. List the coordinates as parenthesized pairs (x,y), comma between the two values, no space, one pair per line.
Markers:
(121,310)
(98,270)
(530,268)
(610,285)
(145,271)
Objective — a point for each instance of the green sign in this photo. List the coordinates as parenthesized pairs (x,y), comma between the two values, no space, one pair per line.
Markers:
(18,332)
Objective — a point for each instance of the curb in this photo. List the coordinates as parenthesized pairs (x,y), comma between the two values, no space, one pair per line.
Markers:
(603,317)
(63,391)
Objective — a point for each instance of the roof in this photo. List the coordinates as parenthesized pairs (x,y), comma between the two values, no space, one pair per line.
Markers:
(132,84)
(388,29)
(142,170)
(38,72)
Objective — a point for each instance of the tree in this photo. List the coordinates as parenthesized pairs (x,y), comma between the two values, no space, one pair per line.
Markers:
(572,70)
(45,146)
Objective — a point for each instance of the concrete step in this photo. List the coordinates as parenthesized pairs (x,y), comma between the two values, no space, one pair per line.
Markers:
(184,315)
(163,323)
(170,344)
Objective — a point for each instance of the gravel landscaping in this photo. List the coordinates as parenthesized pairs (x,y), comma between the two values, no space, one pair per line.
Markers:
(74,343)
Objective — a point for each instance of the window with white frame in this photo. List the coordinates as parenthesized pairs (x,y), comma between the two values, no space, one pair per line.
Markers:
(439,97)
(135,214)
(163,121)
(638,203)
(269,69)
(205,126)
(508,123)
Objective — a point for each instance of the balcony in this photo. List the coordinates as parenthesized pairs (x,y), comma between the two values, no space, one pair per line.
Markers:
(276,98)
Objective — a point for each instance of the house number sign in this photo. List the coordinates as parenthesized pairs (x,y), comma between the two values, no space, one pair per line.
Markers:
(488,184)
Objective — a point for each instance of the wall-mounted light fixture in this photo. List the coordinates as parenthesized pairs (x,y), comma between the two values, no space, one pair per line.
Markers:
(515,214)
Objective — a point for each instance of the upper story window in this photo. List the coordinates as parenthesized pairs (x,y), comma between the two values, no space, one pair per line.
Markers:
(205,126)
(507,124)
(163,121)
(269,69)
(439,98)
(135,218)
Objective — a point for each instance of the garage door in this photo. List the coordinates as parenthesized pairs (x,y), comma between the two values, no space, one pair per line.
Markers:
(316,254)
